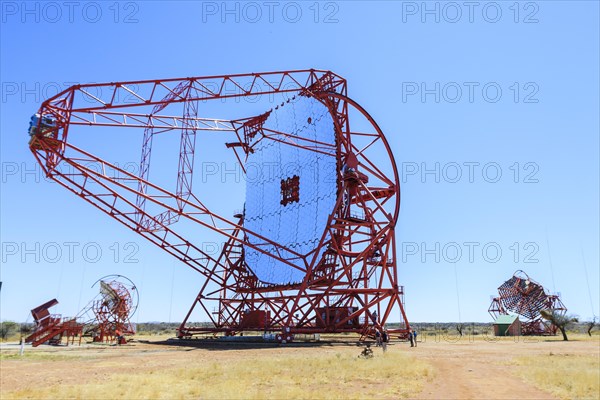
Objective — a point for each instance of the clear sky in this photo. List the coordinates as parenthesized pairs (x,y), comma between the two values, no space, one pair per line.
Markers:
(491,110)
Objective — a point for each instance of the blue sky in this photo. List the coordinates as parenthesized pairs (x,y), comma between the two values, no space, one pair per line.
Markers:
(491,111)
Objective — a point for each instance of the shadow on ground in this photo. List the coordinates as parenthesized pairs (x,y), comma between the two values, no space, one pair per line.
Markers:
(250,344)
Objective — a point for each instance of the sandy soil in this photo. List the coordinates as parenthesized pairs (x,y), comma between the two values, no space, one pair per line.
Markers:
(467,369)
(478,369)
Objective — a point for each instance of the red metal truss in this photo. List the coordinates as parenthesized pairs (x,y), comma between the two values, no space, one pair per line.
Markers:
(112,311)
(50,328)
(107,317)
(353,287)
(524,296)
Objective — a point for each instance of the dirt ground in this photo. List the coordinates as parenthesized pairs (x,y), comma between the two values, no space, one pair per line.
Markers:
(464,369)
(482,370)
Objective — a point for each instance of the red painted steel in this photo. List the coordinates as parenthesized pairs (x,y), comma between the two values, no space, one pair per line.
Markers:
(51,328)
(108,316)
(353,288)
(526,297)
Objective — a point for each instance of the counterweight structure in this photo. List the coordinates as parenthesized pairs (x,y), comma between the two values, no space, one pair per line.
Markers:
(312,248)
(51,328)
(524,296)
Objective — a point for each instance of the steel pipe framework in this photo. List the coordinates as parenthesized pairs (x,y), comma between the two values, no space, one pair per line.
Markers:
(352,288)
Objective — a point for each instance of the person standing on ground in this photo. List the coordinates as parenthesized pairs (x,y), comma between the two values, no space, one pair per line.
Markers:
(384,340)
(415,337)
(411,338)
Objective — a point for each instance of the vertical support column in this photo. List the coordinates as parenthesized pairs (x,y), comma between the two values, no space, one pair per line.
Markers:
(181,91)
(186,153)
(144,171)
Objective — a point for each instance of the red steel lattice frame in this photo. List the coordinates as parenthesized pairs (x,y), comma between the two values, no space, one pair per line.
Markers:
(112,312)
(50,328)
(337,293)
(526,297)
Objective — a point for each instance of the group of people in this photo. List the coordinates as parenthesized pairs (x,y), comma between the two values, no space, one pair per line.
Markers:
(412,336)
(383,338)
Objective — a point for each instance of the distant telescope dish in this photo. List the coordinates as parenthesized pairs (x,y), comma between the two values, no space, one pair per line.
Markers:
(527,298)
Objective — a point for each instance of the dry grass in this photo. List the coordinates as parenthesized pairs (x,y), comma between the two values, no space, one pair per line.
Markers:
(37,356)
(162,370)
(567,376)
(315,375)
